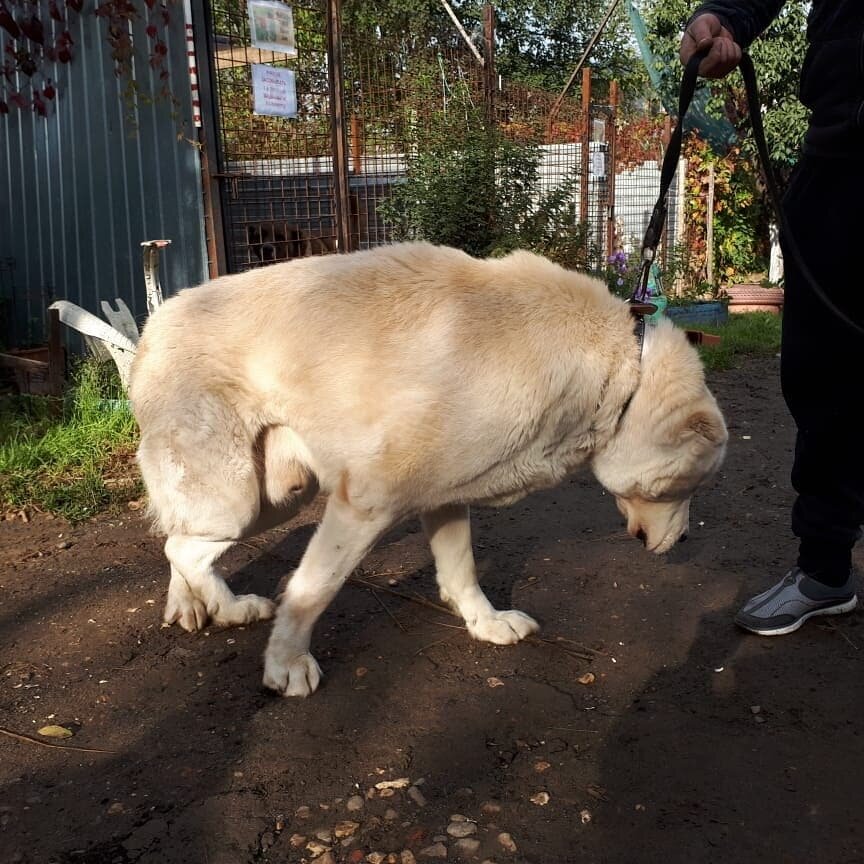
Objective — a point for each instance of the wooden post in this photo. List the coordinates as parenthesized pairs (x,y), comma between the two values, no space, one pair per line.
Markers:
(489,63)
(610,170)
(56,357)
(338,131)
(586,143)
(709,231)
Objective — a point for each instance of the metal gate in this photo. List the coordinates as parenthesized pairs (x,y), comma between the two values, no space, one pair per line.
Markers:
(315,184)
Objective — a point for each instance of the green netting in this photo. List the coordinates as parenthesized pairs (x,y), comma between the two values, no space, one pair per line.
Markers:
(719,133)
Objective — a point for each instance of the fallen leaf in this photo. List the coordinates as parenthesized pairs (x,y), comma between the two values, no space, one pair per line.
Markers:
(401,783)
(55,732)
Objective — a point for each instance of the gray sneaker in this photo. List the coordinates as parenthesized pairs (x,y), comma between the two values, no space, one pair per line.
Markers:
(794,599)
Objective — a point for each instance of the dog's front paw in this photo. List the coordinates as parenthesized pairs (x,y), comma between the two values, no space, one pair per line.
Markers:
(243,609)
(184,608)
(297,676)
(504,627)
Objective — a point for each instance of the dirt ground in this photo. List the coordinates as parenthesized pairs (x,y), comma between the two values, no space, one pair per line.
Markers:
(693,743)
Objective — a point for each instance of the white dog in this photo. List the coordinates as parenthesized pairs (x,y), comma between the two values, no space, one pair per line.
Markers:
(409,380)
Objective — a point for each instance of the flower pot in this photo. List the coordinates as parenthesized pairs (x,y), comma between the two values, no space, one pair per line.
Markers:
(754,298)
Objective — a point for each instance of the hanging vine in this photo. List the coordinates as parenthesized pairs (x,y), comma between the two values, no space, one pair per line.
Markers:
(38,42)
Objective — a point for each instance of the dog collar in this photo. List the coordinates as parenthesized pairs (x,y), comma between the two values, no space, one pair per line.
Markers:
(639,311)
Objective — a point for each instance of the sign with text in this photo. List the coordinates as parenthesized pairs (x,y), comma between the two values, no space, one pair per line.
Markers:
(271,25)
(274,90)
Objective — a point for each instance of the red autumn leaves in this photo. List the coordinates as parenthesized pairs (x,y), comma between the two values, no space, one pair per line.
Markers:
(37,34)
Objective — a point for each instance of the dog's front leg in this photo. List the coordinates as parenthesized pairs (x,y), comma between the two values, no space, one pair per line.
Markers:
(449,533)
(344,536)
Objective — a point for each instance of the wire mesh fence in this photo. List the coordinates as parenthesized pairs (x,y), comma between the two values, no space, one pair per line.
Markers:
(437,147)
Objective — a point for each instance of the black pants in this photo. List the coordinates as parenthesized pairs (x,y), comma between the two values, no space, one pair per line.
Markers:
(822,366)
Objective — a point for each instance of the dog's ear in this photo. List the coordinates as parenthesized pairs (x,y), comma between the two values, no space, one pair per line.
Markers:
(708,425)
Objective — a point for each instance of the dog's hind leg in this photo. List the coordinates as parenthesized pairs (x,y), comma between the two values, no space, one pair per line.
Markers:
(344,536)
(449,532)
(197,593)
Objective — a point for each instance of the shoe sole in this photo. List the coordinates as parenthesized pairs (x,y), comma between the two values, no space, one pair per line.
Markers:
(848,606)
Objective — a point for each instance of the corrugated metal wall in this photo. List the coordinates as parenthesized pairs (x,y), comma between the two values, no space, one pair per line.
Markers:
(81,188)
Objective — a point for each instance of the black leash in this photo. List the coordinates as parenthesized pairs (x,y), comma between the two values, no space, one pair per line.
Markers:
(640,304)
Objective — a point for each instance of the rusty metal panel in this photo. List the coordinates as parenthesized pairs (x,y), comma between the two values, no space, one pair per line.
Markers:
(85,185)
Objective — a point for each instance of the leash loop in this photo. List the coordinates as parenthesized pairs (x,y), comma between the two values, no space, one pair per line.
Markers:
(640,303)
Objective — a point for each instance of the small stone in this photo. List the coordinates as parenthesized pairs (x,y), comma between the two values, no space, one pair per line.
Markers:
(386,793)
(586,679)
(375,858)
(390,814)
(494,682)
(755,709)
(268,838)
(303,812)
(463,792)
(297,840)
(759,719)
(416,796)
(438,850)
(508,844)
(345,829)
(490,808)
(467,847)
(540,767)
(541,799)
(458,817)
(354,803)
(407,857)
(585,816)
(440,838)
(325,835)
(116,808)
(461,829)
(356,856)
(326,858)
(316,848)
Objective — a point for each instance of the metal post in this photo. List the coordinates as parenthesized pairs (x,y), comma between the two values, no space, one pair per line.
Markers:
(338,124)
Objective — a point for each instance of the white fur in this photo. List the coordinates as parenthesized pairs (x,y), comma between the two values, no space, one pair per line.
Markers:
(407,380)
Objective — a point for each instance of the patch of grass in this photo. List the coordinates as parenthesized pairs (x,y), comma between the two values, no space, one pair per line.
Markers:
(74,464)
(747,334)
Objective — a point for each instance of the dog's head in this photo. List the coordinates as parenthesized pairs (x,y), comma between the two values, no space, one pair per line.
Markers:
(670,440)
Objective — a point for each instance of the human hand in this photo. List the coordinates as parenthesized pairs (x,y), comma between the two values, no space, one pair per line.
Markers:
(706,33)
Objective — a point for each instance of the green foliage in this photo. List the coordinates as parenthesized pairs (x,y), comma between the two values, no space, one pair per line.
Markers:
(466,186)
(777,57)
(74,464)
(749,334)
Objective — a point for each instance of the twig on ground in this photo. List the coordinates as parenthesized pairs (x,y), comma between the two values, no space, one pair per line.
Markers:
(18,736)
(422,601)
